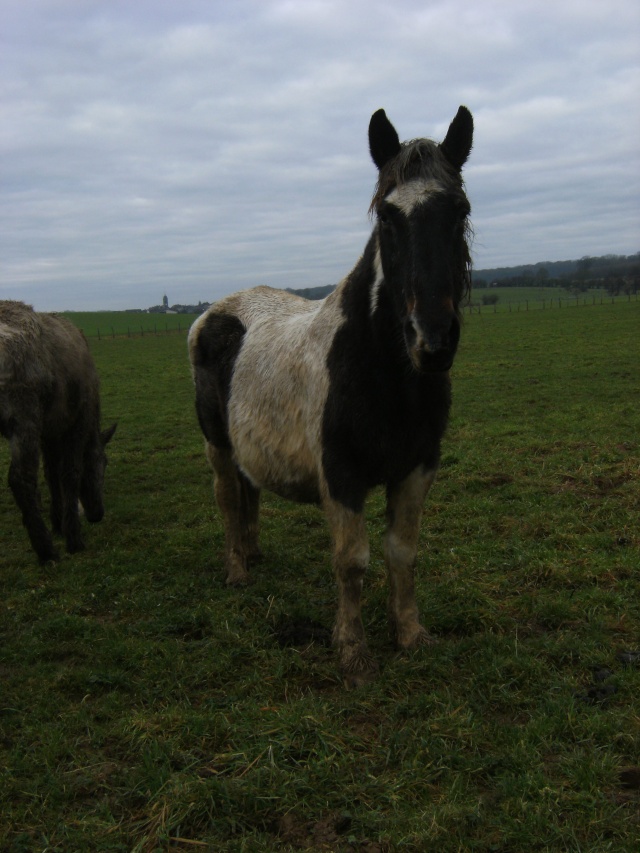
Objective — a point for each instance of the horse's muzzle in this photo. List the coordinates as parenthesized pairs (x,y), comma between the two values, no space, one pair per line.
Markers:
(432,348)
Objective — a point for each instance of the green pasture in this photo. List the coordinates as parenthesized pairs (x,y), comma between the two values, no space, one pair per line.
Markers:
(146,707)
(109,324)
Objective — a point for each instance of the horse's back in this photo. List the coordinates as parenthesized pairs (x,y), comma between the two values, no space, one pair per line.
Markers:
(45,365)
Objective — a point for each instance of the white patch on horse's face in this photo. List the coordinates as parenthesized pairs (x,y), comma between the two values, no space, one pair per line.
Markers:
(408,196)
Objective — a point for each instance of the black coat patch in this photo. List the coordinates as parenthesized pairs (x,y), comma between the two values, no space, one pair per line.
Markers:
(217,347)
(382,418)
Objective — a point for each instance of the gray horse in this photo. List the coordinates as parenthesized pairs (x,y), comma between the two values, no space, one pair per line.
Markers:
(50,403)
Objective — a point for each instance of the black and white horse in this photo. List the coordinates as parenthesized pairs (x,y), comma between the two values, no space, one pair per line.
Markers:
(322,401)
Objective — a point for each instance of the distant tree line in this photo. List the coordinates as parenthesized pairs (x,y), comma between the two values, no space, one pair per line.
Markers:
(313,292)
(617,274)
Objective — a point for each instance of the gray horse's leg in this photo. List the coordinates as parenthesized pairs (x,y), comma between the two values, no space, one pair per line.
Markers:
(51,459)
(23,482)
(350,557)
(228,490)
(404,512)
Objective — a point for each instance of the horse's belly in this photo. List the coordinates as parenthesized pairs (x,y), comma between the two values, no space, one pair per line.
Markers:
(277,461)
(275,439)
(278,391)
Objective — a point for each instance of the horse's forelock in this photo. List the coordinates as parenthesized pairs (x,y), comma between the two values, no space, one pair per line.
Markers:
(417,158)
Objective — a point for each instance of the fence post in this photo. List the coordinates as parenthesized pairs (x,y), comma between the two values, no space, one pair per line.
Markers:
(99,334)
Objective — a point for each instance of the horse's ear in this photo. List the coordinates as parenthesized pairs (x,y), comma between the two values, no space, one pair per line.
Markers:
(456,145)
(107,434)
(383,139)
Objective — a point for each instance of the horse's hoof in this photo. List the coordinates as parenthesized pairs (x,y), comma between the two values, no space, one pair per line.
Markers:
(355,680)
(358,667)
(239,579)
(51,556)
(416,638)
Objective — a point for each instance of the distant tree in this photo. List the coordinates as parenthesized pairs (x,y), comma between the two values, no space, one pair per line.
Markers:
(614,285)
(584,265)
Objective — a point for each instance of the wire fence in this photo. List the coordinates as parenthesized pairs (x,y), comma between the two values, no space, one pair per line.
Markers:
(137,330)
(558,302)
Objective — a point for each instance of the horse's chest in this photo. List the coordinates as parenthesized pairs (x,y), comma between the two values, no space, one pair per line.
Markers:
(380,434)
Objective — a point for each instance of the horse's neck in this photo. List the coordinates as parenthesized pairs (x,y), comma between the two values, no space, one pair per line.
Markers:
(368,310)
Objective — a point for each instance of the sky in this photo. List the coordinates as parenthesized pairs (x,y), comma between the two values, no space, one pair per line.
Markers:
(198,147)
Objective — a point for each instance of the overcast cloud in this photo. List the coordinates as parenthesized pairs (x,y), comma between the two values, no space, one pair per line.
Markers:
(195,148)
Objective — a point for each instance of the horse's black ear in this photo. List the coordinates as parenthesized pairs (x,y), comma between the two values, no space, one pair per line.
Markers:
(383,139)
(107,434)
(456,145)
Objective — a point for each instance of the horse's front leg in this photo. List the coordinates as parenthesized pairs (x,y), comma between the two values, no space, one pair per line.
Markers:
(404,512)
(350,557)
(70,452)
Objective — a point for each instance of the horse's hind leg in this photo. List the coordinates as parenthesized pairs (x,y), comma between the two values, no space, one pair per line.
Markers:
(231,497)
(51,459)
(404,512)
(250,508)
(23,481)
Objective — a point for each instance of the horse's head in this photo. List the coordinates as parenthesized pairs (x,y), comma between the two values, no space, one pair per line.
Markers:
(422,255)
(93,468)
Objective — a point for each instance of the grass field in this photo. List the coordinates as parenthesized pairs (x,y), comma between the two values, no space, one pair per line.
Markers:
(146,707)
(514,299)
(109,324)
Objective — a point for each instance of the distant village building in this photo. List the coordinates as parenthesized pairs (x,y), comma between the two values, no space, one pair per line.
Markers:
(165,301)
